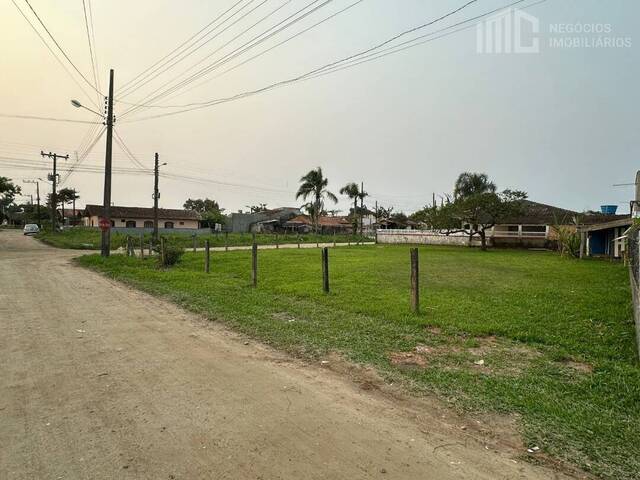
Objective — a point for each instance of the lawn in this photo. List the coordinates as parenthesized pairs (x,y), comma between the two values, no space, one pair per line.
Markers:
(547,339)
(86,238)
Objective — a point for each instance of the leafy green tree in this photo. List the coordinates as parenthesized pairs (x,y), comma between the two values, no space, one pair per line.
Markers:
(476,207)
(8,192)
(209,210)
(314,186)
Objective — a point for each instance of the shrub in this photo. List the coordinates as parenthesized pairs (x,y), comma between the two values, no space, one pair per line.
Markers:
(172,254)
(568,241)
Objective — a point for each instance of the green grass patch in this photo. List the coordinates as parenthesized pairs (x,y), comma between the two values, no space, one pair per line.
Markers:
(88,238)
(555,335)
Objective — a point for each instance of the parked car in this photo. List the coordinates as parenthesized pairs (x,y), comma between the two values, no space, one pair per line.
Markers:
(30,229)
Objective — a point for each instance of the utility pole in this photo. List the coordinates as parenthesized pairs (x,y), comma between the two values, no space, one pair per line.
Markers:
(54,180)
(37,197)
(74,203)
(156,196)
(106,207)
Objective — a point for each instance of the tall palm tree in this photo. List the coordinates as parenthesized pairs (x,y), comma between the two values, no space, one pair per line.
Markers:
(314,185)
(469,184)
(352,191)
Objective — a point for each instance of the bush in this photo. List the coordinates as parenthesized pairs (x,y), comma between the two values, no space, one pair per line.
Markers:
(568,242)
(172,254)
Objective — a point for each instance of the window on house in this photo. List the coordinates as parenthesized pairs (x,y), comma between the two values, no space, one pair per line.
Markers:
(113,223)
(512,228)
(168,224)
(181,223)
(131,224)
(534,228)
(148,224)
(123,220)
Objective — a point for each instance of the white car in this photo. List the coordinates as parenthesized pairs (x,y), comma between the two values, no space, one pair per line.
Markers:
(30,229)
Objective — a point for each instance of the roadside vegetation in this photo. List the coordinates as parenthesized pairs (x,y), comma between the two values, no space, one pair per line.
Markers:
(87,238)
(544,339)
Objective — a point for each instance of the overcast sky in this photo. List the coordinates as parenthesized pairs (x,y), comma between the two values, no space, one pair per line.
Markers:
(561,124)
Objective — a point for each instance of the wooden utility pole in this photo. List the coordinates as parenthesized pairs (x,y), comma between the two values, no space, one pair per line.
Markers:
(156,196)
(415,285)
(37,198)
(206,256)
(54,181)
(254,264)
(106,204)
(325,270)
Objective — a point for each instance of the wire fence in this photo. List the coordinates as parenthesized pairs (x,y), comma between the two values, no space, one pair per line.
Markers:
(633,256)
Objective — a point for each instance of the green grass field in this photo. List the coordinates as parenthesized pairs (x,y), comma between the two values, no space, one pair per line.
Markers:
(84,238)
(556,335)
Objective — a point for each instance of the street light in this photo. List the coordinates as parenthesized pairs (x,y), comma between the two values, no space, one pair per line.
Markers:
(77,104)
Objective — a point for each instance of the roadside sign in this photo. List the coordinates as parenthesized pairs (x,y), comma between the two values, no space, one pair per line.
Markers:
(104,224)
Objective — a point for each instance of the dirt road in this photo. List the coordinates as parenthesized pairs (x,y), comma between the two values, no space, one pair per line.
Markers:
(100,382)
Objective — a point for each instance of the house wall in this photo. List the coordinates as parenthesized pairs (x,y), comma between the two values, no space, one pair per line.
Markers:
(118,222)
(424,237)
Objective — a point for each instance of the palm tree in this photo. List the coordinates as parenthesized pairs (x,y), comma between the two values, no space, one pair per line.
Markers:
(469,184)
(314,185)
(352,191)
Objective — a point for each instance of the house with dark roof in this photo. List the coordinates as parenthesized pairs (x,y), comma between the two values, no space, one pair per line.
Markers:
(140,217)
(536,227)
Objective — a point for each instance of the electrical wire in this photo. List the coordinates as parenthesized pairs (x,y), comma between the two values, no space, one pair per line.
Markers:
(139,84)
(305,30)
(197,105)
(50,119)
(328,68)
(129,82)
(126,150)
(94,67)
(255,41)
(59,47)
(90,97)
(83,156)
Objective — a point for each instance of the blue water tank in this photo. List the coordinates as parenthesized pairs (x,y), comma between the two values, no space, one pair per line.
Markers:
(608,209)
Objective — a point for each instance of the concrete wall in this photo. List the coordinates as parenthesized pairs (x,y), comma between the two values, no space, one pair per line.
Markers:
(424,237)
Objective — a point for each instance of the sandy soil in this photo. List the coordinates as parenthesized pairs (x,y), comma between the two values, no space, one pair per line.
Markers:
(99,382)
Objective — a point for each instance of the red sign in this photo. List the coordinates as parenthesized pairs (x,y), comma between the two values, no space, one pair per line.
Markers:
(104,224)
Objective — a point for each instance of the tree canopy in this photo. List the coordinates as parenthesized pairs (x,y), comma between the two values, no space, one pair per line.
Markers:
(475,207)
(209,210)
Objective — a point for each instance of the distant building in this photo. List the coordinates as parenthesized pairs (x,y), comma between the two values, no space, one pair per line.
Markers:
(326,224)
(140,217)
(272,220)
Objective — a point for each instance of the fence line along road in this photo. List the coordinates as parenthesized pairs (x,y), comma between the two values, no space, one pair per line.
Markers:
(266,247)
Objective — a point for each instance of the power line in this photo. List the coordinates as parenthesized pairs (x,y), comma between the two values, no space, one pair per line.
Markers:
(84,155)
(126,84)
(90,97)
(50,119)
(60,48)
(94,63)
(301,32)
(255,41)
(143,82)
(126,150)
(197,105)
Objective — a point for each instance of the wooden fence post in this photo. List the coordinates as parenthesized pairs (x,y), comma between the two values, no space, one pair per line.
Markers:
(298,241)
(254,264)
(150,247)
(226,241)
(334,239)
(277,243)
(415,283)
(325,270)
(194,243)
(206,256)
(142,245)
(129,246)
(162,257)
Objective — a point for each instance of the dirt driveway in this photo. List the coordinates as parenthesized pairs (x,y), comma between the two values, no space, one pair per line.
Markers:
(100,382)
